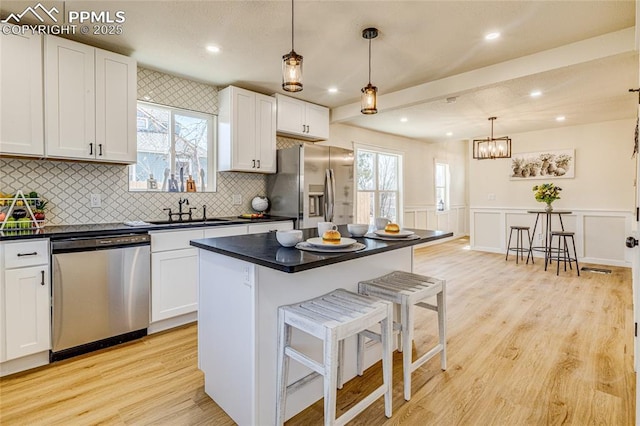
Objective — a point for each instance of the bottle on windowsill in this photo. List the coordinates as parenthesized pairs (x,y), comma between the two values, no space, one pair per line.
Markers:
(191,184)
(441,205)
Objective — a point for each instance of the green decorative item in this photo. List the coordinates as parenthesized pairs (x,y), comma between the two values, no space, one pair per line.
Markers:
(547,193)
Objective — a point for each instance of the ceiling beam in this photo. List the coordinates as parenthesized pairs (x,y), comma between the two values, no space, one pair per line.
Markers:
(571,54)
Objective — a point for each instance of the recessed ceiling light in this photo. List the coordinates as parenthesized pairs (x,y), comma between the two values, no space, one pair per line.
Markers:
(213,49)
(449,133)
(560,118)
(332,90)
(404,119)
(492,36)
(535,93)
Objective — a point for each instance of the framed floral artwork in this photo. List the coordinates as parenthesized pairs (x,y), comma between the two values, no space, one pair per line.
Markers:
(551,164)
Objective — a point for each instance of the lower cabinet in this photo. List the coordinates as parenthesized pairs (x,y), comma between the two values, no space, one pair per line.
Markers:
(174,288)
(26,297)
(25,305)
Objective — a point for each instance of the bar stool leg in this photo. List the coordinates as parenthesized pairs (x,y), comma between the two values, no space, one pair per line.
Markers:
(558,259)
(360,355)
(509,245)
(284,333)
(442,326)
(340,362)
(407,340)
(387,359)
(575,255)
(330,380)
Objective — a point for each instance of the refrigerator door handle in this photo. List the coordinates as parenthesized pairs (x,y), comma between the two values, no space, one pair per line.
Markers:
(331,185)
(328,209)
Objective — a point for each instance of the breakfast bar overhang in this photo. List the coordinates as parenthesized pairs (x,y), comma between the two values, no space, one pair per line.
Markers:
(242,282)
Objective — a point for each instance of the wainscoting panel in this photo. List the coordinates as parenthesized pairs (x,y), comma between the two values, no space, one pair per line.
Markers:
(599,234)
(427,217)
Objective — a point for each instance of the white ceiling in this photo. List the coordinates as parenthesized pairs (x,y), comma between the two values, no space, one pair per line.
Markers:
(420,43)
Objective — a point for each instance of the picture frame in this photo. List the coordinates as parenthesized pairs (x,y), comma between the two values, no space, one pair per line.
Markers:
(548,164)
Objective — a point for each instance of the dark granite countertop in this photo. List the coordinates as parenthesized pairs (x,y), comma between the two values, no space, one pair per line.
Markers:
(263,249)
(108,229)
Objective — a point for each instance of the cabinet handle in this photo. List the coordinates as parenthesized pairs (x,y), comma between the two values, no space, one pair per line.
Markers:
(91,149)
(254,164)
(100,149)
(303,128)
(258,163)
(307,128)
(35,253)
(42,278)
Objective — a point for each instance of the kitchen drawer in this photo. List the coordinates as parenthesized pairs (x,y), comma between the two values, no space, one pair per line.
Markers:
(174,240)
(226,231)
(29,253)
(256,228)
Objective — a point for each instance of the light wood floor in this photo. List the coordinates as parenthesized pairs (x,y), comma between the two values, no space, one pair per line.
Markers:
(525,348)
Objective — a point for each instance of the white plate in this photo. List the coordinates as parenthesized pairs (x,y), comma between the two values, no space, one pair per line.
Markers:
(400,234)
(344,242)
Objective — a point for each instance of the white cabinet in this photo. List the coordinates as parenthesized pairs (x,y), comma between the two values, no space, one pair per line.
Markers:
(25,296)
(246,131)
(174,283)
(21,102)
(90,103)
(257,228)
(301,119)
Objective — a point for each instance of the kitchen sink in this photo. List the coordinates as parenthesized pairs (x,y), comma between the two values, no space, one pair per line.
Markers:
(186,222)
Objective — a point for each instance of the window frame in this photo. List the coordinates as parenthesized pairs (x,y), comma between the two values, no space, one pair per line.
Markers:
(212,132)
(446,187)
(400,181)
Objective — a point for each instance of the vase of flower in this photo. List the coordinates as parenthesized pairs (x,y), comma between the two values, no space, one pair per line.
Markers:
(547,193)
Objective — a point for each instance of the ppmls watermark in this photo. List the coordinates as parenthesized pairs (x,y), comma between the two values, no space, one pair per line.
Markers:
(77,21)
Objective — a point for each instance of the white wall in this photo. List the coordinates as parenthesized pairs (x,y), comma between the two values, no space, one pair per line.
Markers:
(602,194)
(419,158)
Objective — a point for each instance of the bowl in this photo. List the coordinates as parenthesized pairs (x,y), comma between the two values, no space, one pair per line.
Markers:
(289,238)
(357,229)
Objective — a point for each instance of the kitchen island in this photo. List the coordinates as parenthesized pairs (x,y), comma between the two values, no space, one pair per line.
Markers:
(243,280)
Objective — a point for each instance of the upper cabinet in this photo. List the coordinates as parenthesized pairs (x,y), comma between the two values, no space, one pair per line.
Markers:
(90,103)
(246,131)
(21,113)
(302,120)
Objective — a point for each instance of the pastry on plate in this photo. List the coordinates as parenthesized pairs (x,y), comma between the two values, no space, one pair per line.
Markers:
(331,237)
(392,228)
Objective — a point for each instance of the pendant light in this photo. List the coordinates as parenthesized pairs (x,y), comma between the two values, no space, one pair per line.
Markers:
(492,148)
(292,66)
(369,92)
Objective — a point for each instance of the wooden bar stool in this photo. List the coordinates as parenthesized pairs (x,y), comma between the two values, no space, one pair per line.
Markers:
(332,318)
(407,290)
(562,253)
(519,248)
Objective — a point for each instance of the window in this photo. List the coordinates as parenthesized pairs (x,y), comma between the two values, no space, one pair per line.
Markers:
(442,186)
(171,141)
(379,183)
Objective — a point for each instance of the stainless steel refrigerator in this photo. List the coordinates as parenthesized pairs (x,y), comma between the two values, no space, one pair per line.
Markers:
(314,183)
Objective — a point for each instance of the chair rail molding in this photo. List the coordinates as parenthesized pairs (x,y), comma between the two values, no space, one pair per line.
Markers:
(599,233)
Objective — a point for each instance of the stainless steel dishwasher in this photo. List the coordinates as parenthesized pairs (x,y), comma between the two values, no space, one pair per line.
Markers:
(100,293)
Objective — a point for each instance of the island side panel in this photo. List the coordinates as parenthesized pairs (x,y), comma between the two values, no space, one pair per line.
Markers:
(275,288)
(226,334)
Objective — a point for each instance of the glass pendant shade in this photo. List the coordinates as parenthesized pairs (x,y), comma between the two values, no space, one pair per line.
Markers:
(369,99)
(292,72)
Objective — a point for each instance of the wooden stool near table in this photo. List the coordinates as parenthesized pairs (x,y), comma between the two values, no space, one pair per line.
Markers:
(562,254)
(408,290)
(519,248)
(332,318)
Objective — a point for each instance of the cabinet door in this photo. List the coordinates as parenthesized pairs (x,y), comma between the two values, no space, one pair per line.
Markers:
(317,120)
(70,99)
(266,133)
(174,283)
(115,107)
(27,311)
(21,103)
(290,116)
(243,117)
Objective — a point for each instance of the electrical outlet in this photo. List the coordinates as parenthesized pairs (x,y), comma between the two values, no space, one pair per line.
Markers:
(491,197)
(236,199)
(540,236)
(96,200)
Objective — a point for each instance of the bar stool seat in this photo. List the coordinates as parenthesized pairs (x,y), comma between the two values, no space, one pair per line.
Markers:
(519,247)
(332,318)
(407,290)
(562,253)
